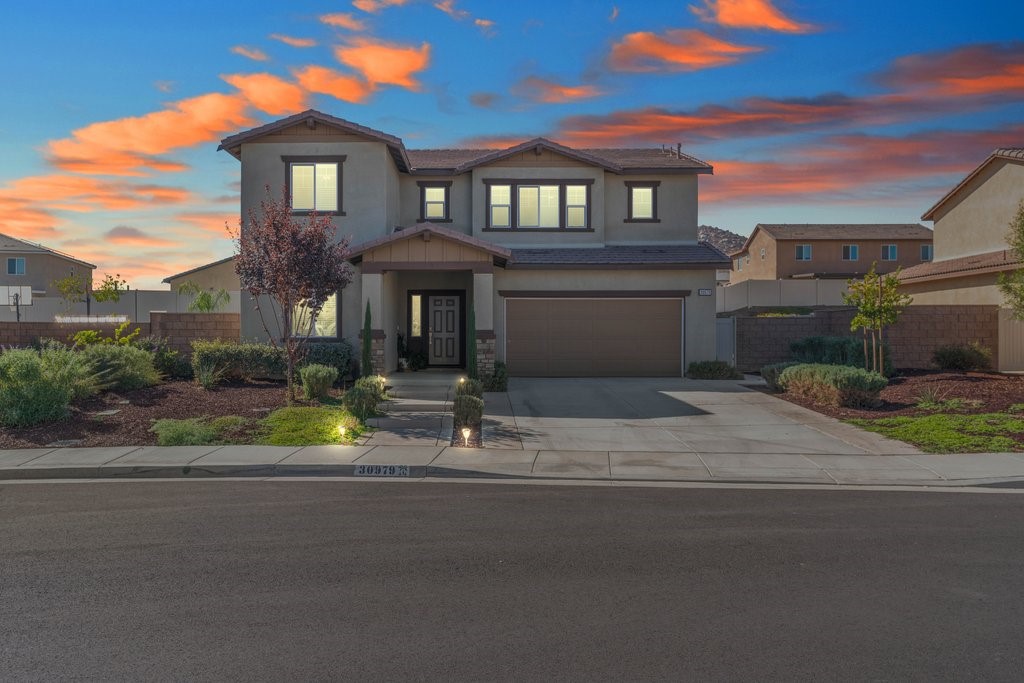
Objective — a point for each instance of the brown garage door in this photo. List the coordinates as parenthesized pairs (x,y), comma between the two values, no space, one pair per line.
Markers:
(594,337)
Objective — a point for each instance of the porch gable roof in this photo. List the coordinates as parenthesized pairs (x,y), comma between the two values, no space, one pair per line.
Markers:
(425,231)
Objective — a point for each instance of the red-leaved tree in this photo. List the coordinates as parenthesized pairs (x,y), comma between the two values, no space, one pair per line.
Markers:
(293,261)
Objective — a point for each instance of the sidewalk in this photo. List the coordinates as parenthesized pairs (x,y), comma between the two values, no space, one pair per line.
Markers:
(442,462)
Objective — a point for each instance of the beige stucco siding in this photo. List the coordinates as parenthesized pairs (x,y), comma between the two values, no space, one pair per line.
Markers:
(758,268)
(41,270)
(677,210)
(977,219)
(972,289)
(459,197)
(700,310)
(220,276)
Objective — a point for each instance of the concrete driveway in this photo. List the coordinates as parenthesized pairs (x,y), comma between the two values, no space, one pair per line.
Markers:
(665,415)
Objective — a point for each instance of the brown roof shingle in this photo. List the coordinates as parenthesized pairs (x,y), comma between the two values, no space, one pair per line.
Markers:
(846,231)
(989,262)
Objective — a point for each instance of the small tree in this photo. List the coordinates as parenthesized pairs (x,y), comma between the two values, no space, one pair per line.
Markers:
(1012,284)
(471,368)
(879,304)
(111,288)
(367,357)
(204,300)
(72,290)
(292,262)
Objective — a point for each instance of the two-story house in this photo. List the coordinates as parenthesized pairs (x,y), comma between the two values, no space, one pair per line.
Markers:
(829,251)
(575,262)
(27,264)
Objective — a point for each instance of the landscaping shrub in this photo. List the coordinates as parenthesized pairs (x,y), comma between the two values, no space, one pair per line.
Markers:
(835,351)
(973,356)
(71,368)
(470,387)
(193,431)
(338,355)
(207,373)
(468,410)
(31,393)
(713,369)
(317,380)
(836,385)
(168,362)
(498,380)
(123,367)
(361,401)
(373,383)
(770,374)
(239,360)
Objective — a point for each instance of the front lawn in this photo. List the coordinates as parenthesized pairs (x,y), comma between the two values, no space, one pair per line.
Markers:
(947,433)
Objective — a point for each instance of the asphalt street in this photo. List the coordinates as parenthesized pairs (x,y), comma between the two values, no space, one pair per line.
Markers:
(290,580)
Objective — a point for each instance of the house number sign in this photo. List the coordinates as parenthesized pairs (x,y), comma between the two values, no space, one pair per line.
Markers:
(703,292)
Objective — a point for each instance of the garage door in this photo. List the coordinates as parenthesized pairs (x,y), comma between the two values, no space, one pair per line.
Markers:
(593,337)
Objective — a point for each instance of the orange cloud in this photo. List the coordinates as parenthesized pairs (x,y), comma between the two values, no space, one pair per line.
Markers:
(61,192)
(448,7)
(374,6)
(129,146)
(251,53)
(385,63)
(294,42)
(343,20)
(674,50)
(549,92)
(125,235)
(486,26)
(268,93)
(26,220)
(320,79)
(755,14)
(987,69)
(213,223)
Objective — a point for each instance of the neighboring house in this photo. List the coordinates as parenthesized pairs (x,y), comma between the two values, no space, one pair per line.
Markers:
(29,264)
(829,251)
(971,224)
(575,262)
(217,275)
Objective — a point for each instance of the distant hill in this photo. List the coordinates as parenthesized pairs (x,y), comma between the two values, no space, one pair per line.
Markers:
(723,240)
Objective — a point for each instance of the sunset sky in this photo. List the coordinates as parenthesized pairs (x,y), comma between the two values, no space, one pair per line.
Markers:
(810,111)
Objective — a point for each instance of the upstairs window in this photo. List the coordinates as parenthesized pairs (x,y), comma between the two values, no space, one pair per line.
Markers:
(889,252)
(763,254)
(803,252)
(314,184)
(538,205)
(642,201)
(850,252)
(16,265)
(739,263)
(435,201)
(926,252)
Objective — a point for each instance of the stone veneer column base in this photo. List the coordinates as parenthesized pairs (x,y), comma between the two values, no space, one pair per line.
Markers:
(377,340)
(485,346)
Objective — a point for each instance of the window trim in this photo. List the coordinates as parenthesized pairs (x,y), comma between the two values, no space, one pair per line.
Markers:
(514,184)
(338,159)
(931,253)
(16,260)
(895,253)
(853,250)
(653,185)
(337,322)
(810,253)
(764,253)
(423,185)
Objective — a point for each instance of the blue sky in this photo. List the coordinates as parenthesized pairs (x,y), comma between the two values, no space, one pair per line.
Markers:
(810,111)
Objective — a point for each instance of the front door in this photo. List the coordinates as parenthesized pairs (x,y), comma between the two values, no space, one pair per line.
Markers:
(443,335)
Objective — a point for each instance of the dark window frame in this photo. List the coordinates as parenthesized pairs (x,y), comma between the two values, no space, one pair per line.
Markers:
(338,159)
(853,249)
(635,184)
(895,252)
(931,252)
(798,251)
(514,184)
(15,260)
(423,185)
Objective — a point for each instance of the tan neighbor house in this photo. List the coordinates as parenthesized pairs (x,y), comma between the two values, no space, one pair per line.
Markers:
(29,264)
(829,251)
(217,275)
(575,262)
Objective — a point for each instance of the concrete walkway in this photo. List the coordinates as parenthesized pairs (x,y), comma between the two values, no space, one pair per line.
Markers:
(418,411)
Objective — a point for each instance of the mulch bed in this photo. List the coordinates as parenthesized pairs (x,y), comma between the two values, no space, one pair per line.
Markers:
(995,392)
(130,426)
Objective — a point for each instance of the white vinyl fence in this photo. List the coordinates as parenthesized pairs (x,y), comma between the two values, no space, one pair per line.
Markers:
(136,304)
(761,293)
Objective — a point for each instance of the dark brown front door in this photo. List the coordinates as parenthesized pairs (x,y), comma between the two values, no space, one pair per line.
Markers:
(443,314)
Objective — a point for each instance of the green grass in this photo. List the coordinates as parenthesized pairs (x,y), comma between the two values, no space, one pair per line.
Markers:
(195,431)
(945,433)
(784,312)
(949,404)
(308,426)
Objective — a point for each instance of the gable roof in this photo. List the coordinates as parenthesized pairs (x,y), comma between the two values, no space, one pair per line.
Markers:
(197,269)
(13,245)
(1007,153)
(840,231)
(431,229)
(233,143)
(456,161)
(977,264)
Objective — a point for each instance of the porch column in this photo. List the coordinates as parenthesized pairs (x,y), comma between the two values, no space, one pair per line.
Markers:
(372,288)
(483,308)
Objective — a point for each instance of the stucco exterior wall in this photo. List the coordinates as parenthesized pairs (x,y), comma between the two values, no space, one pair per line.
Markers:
(827,256)
(699,312)
(757,268)
(977,220)
(677,210)
(974,289)
(460,201)
(41,270)
(220,276)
